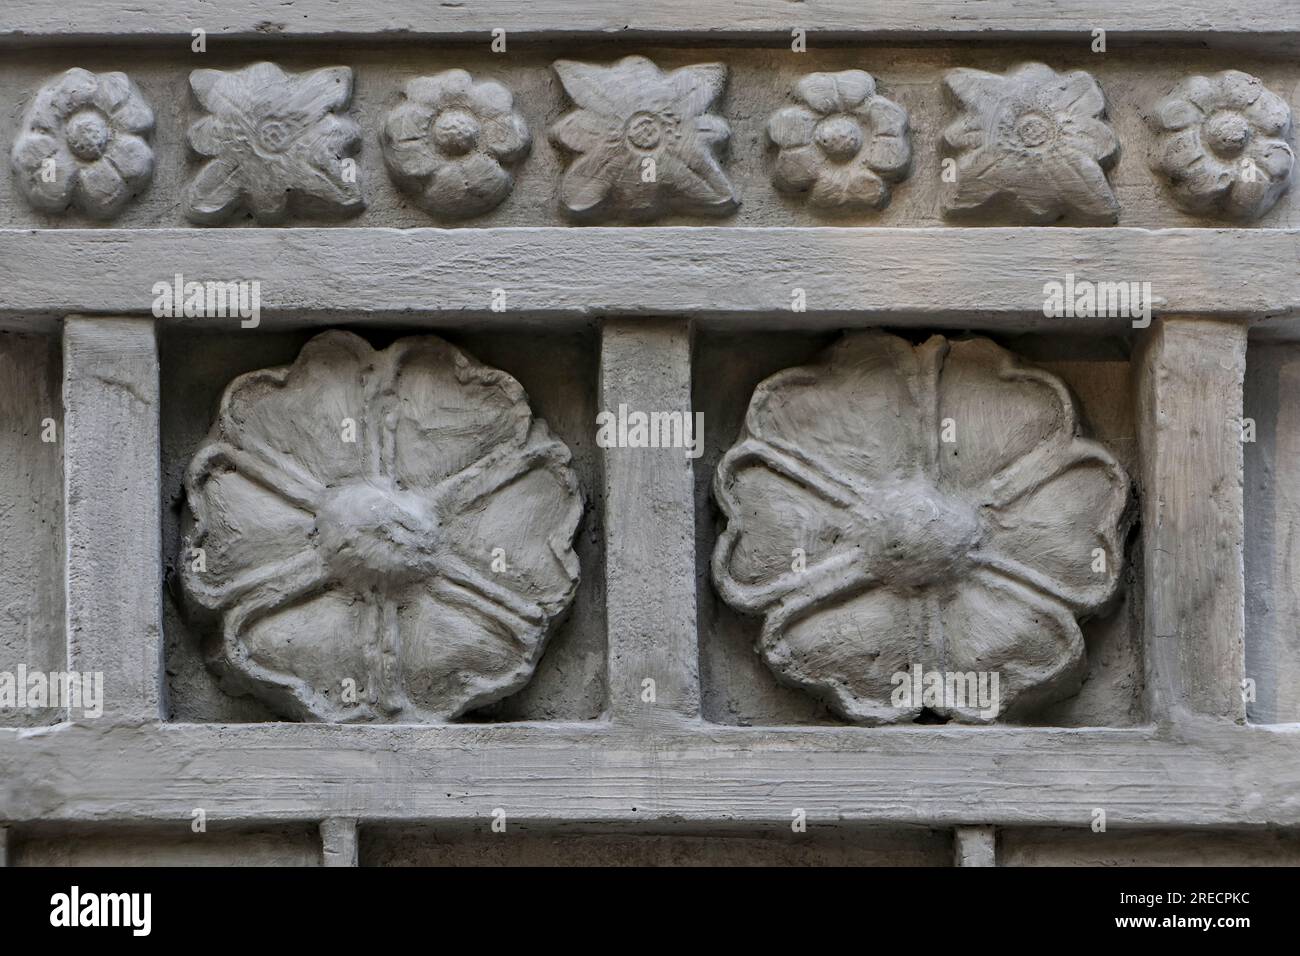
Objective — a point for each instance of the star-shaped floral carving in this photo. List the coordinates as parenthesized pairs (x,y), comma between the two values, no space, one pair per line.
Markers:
(380,535)
(1031,146)
(842,145)
(645,141)
(450,141)
(1222,145)
(869,542)
(84,143)
(272,137)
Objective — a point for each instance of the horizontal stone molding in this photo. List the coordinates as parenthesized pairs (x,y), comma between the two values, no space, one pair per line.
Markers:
(969,278)
(1210,774)
(25,21)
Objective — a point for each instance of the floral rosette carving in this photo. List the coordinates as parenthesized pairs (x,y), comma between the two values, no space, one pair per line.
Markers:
(1221,145)
(450,143)
(975,555)
(271,137)
(842,145)
(84,143)
(645,141)
(1031,145)
(392,523)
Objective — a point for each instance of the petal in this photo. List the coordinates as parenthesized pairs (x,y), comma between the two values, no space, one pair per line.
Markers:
(853,413)
(1270,114)
(975,90)
(791,126)
(409,120)
(852,87)
(713,130)
(1076,93)
(241,523)
(467,187)
(967,132)
(1048,537)
(1176,112)
(992,625)
(490,99)
(309,647)
(100,191)
(459,652)
(207,136)
(889,150)
(133,115)
(582,131)
(819,91)
(451,87)
(1075,181)
(772,516)
(697,87)
(28,160)
(214,193)
(73,90)
(1000,410)
(695,181)
(1201,91)
(1093,138)
(1274,156)
(319,92)
(614,91)
(983,176)
(796,169)
(590,178)
(1238,90)
(111,91)
(1251,197)
(308,418)
(850,652)
(411,160)
(506,137)
(132,158)
(451,411)
(848,187)
(525,503)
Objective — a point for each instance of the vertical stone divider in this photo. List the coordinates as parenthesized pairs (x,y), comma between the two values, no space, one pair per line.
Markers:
(1189,375)
(339,841)
(112,504)
(975,846)
(6,845)
(645,367)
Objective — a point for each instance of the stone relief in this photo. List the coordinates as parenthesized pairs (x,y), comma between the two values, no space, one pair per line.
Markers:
(843,144)
(84,143)
(272,136)
(1221,145)
(379,535)
(645,142)
(1032,146)
(450,142)
(890,506)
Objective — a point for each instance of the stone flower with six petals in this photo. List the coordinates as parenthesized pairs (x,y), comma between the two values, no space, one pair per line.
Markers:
(842,144)
(970,555)
(84,143)
(645,141)
(448,142)
(271,137)
(394,519)
(1031,146)
(1222,145)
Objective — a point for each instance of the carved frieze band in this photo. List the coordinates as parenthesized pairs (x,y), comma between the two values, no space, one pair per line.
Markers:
(1030,146)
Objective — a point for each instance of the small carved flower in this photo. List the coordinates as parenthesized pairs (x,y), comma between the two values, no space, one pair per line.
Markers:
(271,136)
(84,143)
(1222,145)
(1032,144)
(842,145)
(448,140)
(383,535)
(891,505)
(645,141)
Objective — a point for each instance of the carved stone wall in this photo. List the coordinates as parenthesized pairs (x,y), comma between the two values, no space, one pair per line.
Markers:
(650,438)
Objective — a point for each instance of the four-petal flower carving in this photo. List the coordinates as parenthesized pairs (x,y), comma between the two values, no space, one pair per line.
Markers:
(1031,145)
(1222,145)
(645,140)
(842,144)
(272,136)
(970,555)
(448,139)
(84,143)
(396,519)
